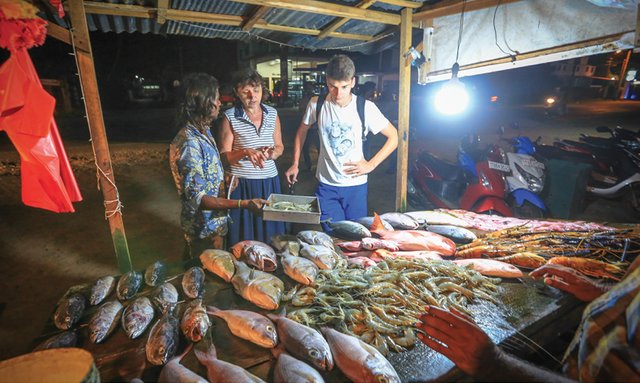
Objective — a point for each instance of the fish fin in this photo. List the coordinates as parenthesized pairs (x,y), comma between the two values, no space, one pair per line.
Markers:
(212,310)
(377,223)
(203,357)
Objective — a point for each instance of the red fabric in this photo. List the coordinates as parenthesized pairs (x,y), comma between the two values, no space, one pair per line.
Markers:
(26,114)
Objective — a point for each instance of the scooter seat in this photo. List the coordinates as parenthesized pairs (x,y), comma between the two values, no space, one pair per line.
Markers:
(444,169)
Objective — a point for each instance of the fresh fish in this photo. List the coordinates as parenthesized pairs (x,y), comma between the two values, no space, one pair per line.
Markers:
(101,289)
(350,245)
(368,221)
(193,282)
(262,289)
(281,241)
(104,321)
(64,339)
(299,269)
(425,255)
(155,274)
(400,221)
(174,372)
(137,316)
(69,311)
(219,262)
(164,296)
(248,325)
(255,253)
(195,321)
(303,342)
(163,340)
(359,361)
(409,240)
(455,233)
(431,217)
(313,237)
(291,370)
(349,230)
(490,267)
(128,285)
(363,262)
(375,244)
(323,257)
(221,371)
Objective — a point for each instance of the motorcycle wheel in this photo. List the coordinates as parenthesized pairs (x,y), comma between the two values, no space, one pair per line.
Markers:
(527,210)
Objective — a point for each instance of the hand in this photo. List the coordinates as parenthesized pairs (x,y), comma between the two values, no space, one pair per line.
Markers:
(257,157)
(461,340)
(358,168)
(292,174)
(569,280)
(255,205)
(268,151)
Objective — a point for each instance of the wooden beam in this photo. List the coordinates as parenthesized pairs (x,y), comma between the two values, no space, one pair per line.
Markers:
(404,96)
(335,24)
(329,9)
(310,32)
(161,15)
(204,17)
(452,7)
(402,3)
(58,32)
(87,72)
(259,12)
(115,9)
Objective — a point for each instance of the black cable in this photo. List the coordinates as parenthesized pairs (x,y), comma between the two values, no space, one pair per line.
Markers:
(495,35)
(460,31)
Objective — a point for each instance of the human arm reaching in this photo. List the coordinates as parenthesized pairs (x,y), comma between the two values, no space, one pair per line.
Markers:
(570,281)
(232,157)
(216,203)
(298,141)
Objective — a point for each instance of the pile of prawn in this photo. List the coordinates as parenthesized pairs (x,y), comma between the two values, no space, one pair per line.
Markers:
(382,304)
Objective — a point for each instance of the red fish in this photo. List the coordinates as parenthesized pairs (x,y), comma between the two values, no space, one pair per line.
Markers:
(409,240)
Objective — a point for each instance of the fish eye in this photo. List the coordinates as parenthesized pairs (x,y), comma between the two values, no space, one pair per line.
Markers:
(383,379)
(270,328)
(314,353)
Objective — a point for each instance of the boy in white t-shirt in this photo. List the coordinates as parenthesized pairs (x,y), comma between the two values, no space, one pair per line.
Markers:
(342,169)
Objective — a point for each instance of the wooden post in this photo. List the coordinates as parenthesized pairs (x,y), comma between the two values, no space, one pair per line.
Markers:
(404,80)
(99,140)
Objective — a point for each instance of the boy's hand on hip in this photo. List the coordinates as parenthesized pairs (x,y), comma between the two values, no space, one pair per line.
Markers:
(358,168)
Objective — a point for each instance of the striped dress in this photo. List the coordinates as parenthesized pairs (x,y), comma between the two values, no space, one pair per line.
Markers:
(253,182)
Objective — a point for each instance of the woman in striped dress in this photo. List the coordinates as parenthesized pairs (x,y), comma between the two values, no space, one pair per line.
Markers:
(250,141)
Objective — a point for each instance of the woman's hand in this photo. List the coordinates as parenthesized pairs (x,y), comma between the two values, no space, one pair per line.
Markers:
(257,157)
(255,205)
(268,151)
(570,281)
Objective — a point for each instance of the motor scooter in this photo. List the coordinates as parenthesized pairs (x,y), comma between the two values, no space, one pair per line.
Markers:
(472,184)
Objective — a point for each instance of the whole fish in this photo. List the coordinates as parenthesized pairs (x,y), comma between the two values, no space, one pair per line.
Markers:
(299,269)
(368,221)
(303,342)
(175,372)
(155,274)
(425,255)
(431,217)
(409,240)
(255,253)
(195,321)
(359,361)
(363,262)
(69,311)
(219,262)
(164,296)
(350,245)
(221,371)
(248,325)
(291,370)
(455,233)
(163,340)
(128,285)
(282,241)
(349,230)
(101,289)
(323,257)
(64,339)
(375,244)
(400,221)
(193,282)
(490,267)
(313,237)
(104,321)
(137,316)
(262,289)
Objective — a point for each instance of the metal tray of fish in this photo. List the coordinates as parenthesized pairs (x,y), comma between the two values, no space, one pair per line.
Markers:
(292,208)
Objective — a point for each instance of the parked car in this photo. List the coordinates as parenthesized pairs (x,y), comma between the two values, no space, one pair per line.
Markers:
(141,89)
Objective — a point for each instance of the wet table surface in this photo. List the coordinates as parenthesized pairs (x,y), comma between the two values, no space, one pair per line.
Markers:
(527,307)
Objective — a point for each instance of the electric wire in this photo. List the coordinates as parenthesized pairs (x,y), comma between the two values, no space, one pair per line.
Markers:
(460,30)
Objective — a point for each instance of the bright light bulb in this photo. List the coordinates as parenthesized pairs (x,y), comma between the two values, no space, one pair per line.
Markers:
(452,98)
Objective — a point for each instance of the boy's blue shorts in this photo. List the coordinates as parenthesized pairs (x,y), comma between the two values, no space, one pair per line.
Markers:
(341,202)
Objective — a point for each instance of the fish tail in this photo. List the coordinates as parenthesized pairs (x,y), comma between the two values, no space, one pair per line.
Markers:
(204,357)
(212,310)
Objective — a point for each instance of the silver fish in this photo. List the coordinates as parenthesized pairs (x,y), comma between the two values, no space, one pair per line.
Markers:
(137,316)
(155,274)
(101,289)
(195,321)
(174,372)
(193,282)
(163,340)
(164,296)
(454,233)
(349,230)
(219,262)
(280,241)
(69,311)
(368,221)
(104,321)
(400,221)
(128,285)
(261,256)
(313,237)
(221,371)
(260,288)
(431,217)
(359,361)
(291,370)
(303,342)
(64,339)
(299,269)
(249,325)
(321,256)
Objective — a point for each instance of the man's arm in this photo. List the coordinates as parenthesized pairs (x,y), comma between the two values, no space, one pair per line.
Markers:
(215,203)
(298,141)
(365,167)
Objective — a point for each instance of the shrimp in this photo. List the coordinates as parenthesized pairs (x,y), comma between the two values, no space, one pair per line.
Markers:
(590,267)
(525,260)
